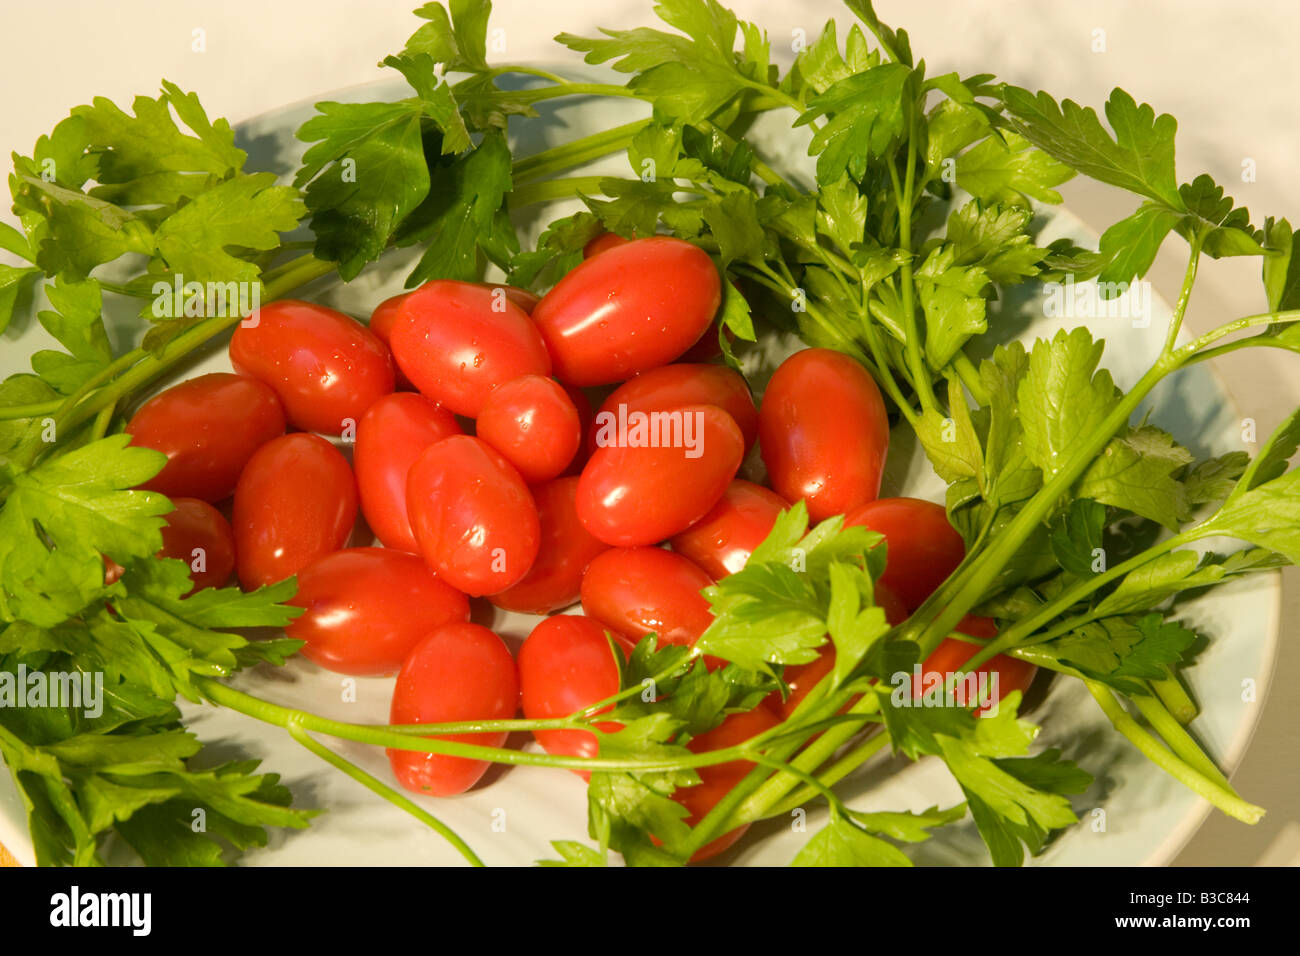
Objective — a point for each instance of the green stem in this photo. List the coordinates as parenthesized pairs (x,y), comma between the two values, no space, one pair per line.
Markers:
(375,785)
(1167,761)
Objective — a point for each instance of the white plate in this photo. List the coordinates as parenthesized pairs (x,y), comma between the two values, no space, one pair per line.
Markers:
(1134,814)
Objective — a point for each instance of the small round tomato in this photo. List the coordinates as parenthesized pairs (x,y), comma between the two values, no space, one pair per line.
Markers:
(660,476)
(638,591)
(722,541)
(991,681)
(565,665)
(457,341)
(199,535)
(566,548)
(533,423)
(296,501)
(923,548)
(208,428)
(824,433)
(473,517)
(365,608)
(634,307)
(392,433)
(802,678)
(458,672)
(326,367)
(606,240)
(717,780)
(672,386)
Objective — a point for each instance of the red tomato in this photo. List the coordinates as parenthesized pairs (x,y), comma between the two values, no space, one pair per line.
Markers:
(630,494)
(998,676)
(390,436)
(722,541)
(631,308)
(824,433)
(381,327)
(326,367)
(199,535)
(456,341)
(295,502)
(555,579)
(718,780)
(606,240)
(672,386)
(367,607)
(923,547)
(567,664)
(802,678)
(533,423)
(208,428)
(472,515)
(636,591)
(458,672)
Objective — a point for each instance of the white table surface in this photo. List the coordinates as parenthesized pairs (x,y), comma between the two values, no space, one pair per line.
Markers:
(1227,71)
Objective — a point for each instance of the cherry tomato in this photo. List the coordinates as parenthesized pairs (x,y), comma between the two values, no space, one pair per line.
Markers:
(456,341)
(472,515)
(533,423)
(458,672)
(717,780)
(672,386)
(631,308)
(630,494)
(722,541)
(637,591)
(606,240)
(555,579)
(998,676)
(390,436)
(567,664)
(367,607)
(923,547)
(802,678)
(199,535)
(208,428)
(296,501)
(823,432)
(326,367)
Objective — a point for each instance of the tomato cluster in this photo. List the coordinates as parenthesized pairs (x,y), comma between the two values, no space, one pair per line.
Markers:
(489,476)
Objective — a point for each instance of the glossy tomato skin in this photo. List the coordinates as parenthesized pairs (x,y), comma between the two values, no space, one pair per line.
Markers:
(473,517)
(200,535)
(296,501)
(534,424)
(717,781)
(802,678)
(636,591)
(565,549)
(394,431)
(567,664)
(457,341)
(630,496)
(722,541)
(923,547)
(458,672)
(672,386)
(326,367)
(366,608)
(823,432)
(634,307)
(603,242)
(208,427)
(1010,673)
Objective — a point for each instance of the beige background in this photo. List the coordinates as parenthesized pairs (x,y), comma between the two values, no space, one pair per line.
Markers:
(1227,71)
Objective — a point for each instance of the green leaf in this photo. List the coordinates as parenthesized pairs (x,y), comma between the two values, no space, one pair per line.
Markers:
(1139,156)
(843,843)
